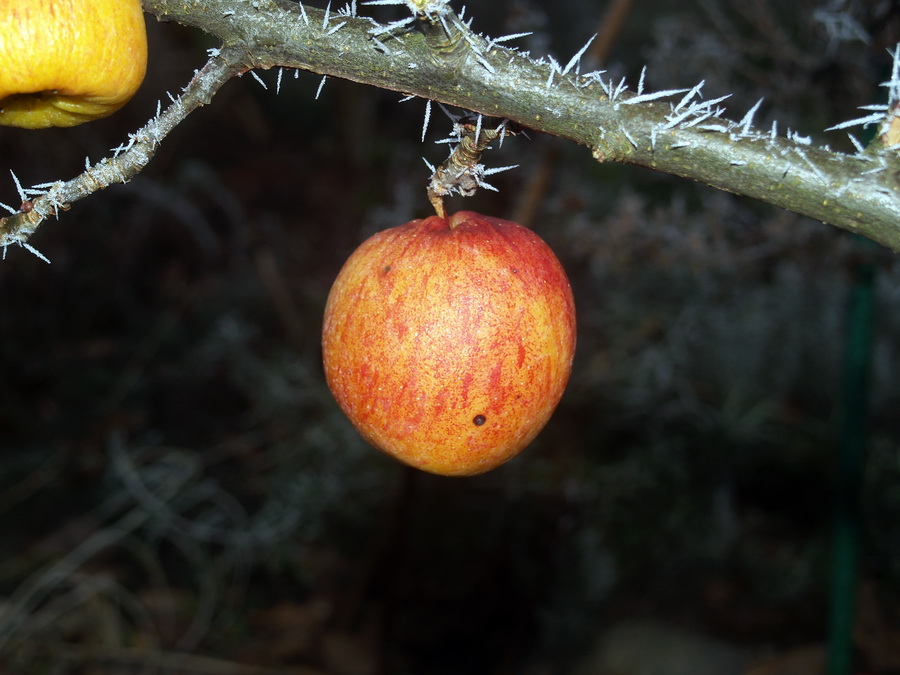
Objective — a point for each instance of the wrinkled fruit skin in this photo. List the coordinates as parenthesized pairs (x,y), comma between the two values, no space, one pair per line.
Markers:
(64,62)
(448,342)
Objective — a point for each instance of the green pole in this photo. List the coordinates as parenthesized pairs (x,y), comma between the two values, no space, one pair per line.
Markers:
(851,460)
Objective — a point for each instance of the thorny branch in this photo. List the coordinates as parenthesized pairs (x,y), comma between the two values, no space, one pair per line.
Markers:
(435,55)
(462,172)
(43,201)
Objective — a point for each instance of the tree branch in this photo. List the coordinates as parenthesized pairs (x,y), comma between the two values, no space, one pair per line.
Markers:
(675,132)
(127,161)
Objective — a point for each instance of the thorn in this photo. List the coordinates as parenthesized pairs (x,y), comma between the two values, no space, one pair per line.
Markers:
(502,129)
(747,120)
(507,38)
(687,97)
(861,121)
(258,79)
(856,144)
(335,29)
(453,118)
(575,59)
(643,98)
(489,172)
(321,84)
(33,250)
(18,186)
(427,118)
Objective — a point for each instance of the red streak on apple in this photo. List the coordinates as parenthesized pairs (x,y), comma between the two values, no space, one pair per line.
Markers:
(448,342)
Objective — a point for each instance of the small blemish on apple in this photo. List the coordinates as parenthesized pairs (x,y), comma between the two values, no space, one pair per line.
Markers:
(385,269)
(479,420)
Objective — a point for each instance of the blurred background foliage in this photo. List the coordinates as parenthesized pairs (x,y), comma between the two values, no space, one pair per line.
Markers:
(180,494)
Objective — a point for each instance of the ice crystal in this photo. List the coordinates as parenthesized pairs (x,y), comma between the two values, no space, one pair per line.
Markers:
(575,59)
(258,79)
(427,118)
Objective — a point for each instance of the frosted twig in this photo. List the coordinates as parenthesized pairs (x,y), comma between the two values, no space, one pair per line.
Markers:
(18,227)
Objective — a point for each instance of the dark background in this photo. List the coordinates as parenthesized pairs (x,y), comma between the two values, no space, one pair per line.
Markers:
(179,493)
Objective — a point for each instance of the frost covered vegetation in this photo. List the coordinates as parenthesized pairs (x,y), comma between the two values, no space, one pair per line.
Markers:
(180,493)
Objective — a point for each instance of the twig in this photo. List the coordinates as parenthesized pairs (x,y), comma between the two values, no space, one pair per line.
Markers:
(126,161)
(479,75)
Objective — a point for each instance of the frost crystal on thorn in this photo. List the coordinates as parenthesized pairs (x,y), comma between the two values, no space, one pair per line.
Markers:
(258,79)
(506,38)
(643,98)
(18,185)
(575,59)
(427,118)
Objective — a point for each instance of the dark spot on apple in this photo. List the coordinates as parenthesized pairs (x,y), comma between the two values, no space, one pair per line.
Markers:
(479,420)
(385,269)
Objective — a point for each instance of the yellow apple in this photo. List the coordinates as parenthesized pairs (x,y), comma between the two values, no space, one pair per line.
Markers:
(64,62)
(448,342)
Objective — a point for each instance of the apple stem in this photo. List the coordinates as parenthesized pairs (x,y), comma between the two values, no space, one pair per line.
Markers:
(437,201)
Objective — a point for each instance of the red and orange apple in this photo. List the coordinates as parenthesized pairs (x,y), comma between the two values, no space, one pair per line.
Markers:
(64,62)
(448,342)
